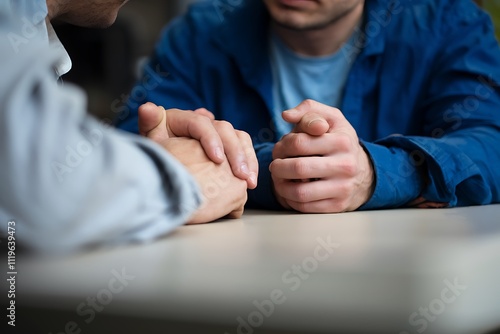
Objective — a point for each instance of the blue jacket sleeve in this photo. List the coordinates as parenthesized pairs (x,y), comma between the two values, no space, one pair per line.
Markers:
(456,160)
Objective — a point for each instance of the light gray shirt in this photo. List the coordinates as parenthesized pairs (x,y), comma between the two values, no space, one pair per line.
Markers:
(297,78)
(65,179)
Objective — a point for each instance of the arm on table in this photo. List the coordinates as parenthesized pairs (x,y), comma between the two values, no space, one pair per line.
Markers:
(457,154)
(71,182)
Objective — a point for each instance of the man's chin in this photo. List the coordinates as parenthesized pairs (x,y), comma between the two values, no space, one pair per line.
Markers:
(94,22)
(295,25)
(104,22)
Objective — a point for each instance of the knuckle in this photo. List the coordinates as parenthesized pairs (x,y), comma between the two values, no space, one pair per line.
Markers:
(301,207)
(203,119)
(339,206)
(309,103)
(336,110)
(344,205)
(298,142)
(199,120)
(349,168)
(300,168)
(244,136)
(301,194)
(224,125)
(335,205)
(344,190)
(343,142)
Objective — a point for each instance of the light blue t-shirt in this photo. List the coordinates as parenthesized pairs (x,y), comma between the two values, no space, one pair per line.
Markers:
(297,78)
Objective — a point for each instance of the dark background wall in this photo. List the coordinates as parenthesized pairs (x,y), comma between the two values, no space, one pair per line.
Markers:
(105,61)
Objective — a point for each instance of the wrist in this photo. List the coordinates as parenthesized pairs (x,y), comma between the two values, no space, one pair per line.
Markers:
(368,183)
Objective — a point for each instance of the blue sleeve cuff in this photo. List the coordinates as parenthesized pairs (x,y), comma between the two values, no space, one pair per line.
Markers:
(398,178)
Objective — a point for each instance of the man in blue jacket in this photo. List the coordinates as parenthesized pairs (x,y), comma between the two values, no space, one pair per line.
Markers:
(402,97)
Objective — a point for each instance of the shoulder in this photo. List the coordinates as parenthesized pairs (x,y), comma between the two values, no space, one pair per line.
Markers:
(439,13)
(423,22)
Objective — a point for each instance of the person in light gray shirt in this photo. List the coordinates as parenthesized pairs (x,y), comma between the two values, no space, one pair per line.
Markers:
(68,181)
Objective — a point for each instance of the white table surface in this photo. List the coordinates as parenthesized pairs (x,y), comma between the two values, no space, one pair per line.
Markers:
(387,265)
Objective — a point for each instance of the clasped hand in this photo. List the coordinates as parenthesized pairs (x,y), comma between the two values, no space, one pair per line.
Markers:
(220,158)
(321,167)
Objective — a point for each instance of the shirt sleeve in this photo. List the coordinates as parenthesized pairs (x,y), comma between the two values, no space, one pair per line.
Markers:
(455,162)
(69,181)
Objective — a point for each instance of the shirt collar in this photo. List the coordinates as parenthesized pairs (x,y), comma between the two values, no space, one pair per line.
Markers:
(63,66)
(35,12)
(240,34)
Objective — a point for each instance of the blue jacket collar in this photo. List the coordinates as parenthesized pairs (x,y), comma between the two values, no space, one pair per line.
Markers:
(378,14)
(246,30)
(244,36)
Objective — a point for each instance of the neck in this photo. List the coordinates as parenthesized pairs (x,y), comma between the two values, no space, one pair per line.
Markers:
(322,41)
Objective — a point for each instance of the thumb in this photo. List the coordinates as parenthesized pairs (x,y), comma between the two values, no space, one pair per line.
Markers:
(153,122)
(313,124)
(314,118)
(294,115)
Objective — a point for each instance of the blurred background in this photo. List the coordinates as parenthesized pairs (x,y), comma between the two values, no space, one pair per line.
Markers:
(106,62)
(493,7)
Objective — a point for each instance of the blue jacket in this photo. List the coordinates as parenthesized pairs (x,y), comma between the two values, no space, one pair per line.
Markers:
(423,94)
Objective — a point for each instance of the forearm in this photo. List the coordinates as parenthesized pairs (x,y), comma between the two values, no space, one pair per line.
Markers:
(457,169)
(69,181)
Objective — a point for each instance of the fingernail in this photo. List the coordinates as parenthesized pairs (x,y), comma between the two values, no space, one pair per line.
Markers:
(219,154)
(253,178)
(291,111)
(316,120)
(245,169)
